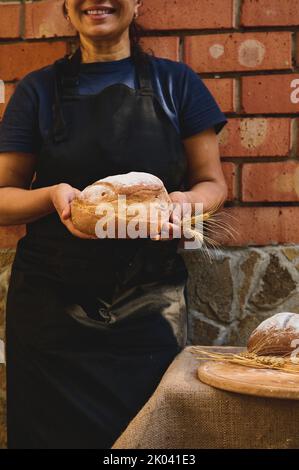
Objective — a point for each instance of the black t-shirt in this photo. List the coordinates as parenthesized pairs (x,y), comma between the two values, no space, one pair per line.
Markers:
(182,93)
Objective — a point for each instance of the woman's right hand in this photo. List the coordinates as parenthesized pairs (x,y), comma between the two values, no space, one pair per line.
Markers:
(62,195)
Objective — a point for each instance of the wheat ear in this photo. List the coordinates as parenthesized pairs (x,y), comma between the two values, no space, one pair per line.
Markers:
(248,359)
(214,226)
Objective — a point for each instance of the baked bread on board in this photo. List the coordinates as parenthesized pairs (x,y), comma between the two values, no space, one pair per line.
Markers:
(276,335)
(142,192)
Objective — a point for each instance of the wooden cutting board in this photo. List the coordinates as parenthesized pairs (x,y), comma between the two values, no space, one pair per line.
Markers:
(249,381)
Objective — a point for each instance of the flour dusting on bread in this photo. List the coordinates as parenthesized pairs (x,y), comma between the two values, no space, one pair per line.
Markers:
(95,192)
(132,178)
(280,321)
(105,188)
(275,335)
(144,193)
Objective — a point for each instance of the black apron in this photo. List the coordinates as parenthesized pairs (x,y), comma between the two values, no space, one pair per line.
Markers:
(92,325)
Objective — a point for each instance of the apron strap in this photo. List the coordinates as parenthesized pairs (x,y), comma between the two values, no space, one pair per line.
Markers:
(59,125)
(67,78)
(144,77)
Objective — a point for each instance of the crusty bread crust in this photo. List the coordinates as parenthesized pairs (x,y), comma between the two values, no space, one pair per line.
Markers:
(139,189)
(274,335)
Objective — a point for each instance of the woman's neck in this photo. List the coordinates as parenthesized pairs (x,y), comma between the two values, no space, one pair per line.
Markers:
(103,51)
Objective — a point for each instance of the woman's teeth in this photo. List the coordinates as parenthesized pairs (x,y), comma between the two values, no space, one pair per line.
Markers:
(98,12)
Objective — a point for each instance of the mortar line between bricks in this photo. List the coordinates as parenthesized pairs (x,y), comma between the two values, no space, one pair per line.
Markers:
(238,180)
(23,41)
(256,160)
(213,31)
(22,19)
(224,31)
(293,49)
(249,73)
(237,8)
(262,115)
(181,49)
(237,95)
(265,204)
(294,139)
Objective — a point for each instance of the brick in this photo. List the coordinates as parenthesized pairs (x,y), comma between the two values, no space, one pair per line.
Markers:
(10,16)
(45,19)
(256,137)
(239,52)
(10,235)
(270,13)
(189,14)
(16,60)
(229,171)
(8,91)
(270,94)
(260,226)
(166,47)
(223,90)
(270,182)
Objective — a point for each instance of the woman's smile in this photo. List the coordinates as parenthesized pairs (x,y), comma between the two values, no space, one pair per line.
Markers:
(99,12)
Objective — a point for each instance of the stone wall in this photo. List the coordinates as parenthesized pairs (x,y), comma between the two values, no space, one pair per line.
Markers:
(233,292)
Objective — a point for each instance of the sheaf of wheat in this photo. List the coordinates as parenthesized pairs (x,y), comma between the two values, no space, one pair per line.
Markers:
(249,359)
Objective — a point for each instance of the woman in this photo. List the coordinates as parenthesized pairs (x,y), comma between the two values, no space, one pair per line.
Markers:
(92,324)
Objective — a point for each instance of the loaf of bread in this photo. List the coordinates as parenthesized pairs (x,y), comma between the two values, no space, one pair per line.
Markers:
(275,336)
(137,188)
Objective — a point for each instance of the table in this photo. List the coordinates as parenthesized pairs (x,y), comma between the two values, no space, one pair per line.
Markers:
(184,413)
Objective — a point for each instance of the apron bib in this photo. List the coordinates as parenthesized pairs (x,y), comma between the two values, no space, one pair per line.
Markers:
(92,325)
(115,131)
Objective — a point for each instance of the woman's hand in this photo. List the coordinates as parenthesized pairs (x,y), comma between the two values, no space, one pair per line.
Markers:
(62,195)
(173,226)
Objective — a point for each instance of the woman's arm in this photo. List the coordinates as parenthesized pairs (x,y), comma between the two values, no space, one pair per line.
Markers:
(205,176)
(19,204)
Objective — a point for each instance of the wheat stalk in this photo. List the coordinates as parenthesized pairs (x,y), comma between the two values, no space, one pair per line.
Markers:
(249,359)
(214,226)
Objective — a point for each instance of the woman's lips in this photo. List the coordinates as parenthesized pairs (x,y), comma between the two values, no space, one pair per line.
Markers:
(97,14)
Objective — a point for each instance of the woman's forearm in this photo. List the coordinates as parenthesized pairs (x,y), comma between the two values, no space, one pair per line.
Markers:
(210,193)
(20,206)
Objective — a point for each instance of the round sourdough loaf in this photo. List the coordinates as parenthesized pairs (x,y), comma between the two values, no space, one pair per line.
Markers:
(275,335)
(140,193)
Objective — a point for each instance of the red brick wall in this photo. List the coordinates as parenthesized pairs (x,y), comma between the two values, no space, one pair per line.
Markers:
(246,51)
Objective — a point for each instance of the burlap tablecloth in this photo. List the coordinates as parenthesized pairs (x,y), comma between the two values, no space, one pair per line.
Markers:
(184,413)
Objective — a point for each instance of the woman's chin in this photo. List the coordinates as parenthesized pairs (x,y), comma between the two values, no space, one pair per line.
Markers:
(98,32)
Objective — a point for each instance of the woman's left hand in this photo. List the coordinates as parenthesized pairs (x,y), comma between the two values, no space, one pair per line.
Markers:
(173,226)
